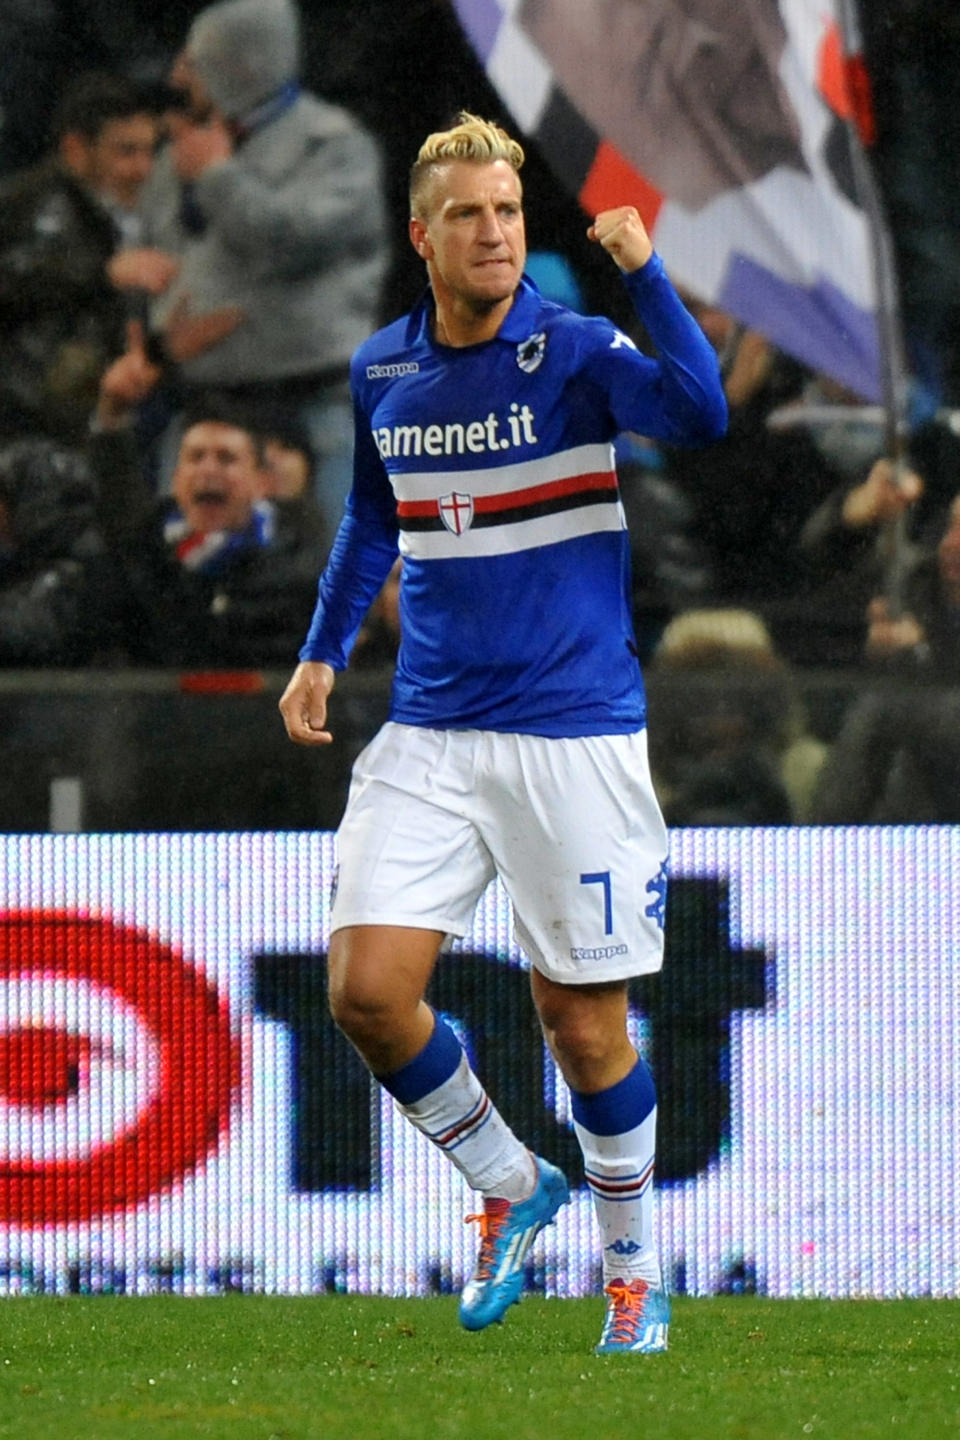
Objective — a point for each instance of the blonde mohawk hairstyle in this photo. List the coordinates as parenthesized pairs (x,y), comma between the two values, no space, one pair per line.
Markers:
(482,141)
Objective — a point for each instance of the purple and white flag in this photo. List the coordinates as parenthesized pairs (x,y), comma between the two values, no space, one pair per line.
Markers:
(725,123)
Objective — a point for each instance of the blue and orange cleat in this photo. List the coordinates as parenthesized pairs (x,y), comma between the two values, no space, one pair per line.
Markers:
(638,1318)
(507,1230)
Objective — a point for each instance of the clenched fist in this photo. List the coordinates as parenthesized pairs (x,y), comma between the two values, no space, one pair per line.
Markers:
(623,235)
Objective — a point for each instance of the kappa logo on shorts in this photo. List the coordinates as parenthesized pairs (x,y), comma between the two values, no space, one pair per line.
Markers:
(597,952)
(456,511)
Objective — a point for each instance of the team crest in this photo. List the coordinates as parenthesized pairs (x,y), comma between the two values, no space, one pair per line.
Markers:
(530,352)
(456,511)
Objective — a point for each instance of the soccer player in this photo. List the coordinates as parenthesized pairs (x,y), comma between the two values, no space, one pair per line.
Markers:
(516,742)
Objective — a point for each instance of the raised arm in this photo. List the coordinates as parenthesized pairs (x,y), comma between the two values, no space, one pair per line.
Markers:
(677,396)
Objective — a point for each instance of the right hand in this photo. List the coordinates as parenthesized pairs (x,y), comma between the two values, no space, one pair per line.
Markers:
(887,491)
(128,381)
(889,635)
(624,236)
(142,268)
(750,369)
(187,335)
(303,704)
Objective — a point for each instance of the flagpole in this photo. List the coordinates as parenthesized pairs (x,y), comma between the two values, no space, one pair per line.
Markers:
(894,371)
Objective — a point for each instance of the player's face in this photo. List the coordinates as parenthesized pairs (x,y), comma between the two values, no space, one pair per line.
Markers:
(473,236)
(217,478)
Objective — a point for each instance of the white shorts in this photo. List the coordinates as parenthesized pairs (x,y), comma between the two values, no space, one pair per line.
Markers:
(572,826)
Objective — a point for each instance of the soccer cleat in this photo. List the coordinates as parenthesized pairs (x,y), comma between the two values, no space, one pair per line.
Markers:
(638,1317)
(507,1230)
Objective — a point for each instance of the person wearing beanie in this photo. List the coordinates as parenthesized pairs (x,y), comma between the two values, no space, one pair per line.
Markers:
(272,201)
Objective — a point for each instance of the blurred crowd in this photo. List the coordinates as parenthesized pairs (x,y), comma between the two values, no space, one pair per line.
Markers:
(184,274)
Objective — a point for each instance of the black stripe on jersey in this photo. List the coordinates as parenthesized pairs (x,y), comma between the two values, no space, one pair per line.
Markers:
(490,518)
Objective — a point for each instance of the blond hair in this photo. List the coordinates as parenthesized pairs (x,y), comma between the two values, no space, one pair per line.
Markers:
(480,141)
(698,639)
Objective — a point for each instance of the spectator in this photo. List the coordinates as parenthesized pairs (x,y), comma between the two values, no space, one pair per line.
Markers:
(289,459)
(895,759)
(61,315)
(287,474)
(271,199)
(926,633)
(52,558)
(731,745)
(216,575)
(896,756)
(753,489)
(669,561)
(857,542)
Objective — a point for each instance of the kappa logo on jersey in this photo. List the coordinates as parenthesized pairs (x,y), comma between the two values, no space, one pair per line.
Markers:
(619,340)
(530,352)
(391,372)
(456,511)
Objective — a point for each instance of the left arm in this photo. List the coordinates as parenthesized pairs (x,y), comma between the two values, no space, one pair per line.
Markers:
(679,396)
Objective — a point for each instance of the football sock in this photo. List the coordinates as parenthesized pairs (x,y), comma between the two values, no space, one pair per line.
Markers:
(439,1094)
(617,1133)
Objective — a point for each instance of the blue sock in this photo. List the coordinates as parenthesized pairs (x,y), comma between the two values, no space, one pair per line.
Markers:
(616,1128)
(426,1072)
(439,1094)
(619,1108)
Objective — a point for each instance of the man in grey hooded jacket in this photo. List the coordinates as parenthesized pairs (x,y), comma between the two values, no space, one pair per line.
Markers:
(272,201)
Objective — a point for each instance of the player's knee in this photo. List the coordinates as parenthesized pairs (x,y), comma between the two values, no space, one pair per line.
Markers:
(586,1034)
(363,1015)
(576,1041)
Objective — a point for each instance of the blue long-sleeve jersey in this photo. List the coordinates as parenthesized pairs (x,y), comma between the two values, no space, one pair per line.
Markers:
(490,469)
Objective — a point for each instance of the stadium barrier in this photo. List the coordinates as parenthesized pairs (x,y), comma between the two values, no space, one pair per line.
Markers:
(128,750)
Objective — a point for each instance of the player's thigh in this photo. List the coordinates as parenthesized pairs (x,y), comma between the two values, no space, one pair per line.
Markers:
(586,866)
(410,854)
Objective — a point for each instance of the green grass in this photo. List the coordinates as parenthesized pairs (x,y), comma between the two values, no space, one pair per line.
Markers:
(268,1368)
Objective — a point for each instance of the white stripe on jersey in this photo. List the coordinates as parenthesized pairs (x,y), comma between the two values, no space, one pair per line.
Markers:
(501,479)
(478,541)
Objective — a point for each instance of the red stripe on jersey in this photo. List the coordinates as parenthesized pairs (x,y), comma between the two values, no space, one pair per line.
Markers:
(550,490)
(515,499)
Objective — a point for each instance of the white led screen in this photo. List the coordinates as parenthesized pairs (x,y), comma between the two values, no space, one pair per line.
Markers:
(177,1111)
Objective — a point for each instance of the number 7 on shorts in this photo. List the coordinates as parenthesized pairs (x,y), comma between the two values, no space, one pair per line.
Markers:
(602,877)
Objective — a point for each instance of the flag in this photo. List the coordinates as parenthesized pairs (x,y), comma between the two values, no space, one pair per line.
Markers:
(729,124)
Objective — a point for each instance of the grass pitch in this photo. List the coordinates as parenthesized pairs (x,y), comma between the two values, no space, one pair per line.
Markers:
(270,1368)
